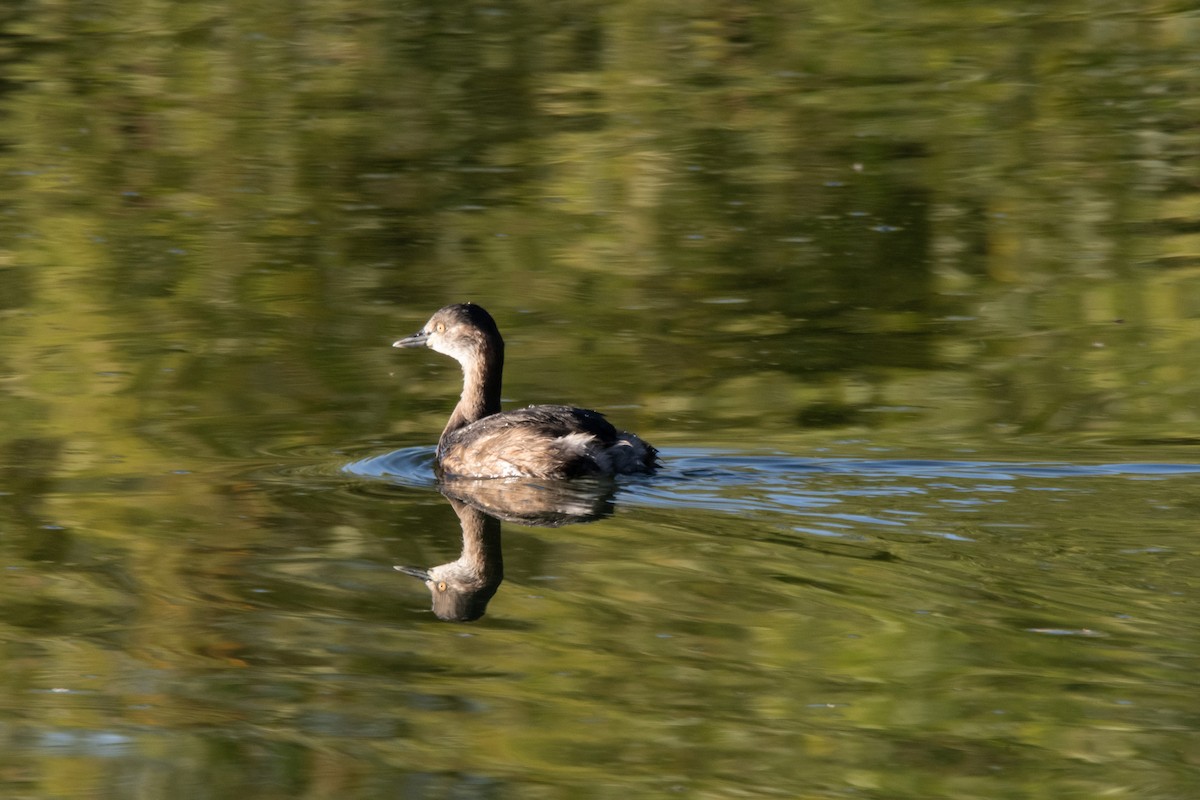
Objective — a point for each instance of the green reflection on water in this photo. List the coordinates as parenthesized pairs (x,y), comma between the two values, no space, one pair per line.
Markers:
(943,230)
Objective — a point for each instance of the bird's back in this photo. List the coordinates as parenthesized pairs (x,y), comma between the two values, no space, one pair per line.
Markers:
(546,441)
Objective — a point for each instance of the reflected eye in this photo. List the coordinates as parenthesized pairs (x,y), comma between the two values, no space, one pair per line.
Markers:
(441,586)
(441,327)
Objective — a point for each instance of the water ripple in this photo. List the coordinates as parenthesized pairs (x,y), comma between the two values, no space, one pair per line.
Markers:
(740,483)
(408,466)
(736,482)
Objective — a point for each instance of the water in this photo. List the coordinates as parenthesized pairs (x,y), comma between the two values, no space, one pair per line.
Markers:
(905,296)
(739,623)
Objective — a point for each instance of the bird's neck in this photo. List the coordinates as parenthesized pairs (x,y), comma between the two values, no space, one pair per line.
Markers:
(481,391)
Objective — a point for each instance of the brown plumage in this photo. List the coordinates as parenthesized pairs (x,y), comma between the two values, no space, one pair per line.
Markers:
(545,441)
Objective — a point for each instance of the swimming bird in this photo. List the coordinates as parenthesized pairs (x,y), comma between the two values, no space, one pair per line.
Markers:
(543,441)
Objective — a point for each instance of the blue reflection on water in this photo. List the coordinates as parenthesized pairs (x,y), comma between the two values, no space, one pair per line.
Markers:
(696,478)
(408,466)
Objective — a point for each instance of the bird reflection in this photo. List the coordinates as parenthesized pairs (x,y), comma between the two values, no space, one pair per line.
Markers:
(461,589)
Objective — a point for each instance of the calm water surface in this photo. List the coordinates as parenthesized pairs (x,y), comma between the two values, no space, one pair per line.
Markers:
(907,296)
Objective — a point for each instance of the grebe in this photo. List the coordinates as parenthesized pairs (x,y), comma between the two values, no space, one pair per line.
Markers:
(480,441)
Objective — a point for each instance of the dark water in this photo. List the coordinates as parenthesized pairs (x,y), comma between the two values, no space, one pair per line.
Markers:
(908,296)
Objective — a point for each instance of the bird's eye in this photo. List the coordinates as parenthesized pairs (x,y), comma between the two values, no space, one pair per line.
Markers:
(441,586)
(441,327)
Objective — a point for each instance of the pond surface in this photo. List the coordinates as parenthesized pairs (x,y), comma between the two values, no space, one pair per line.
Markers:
(908,296)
